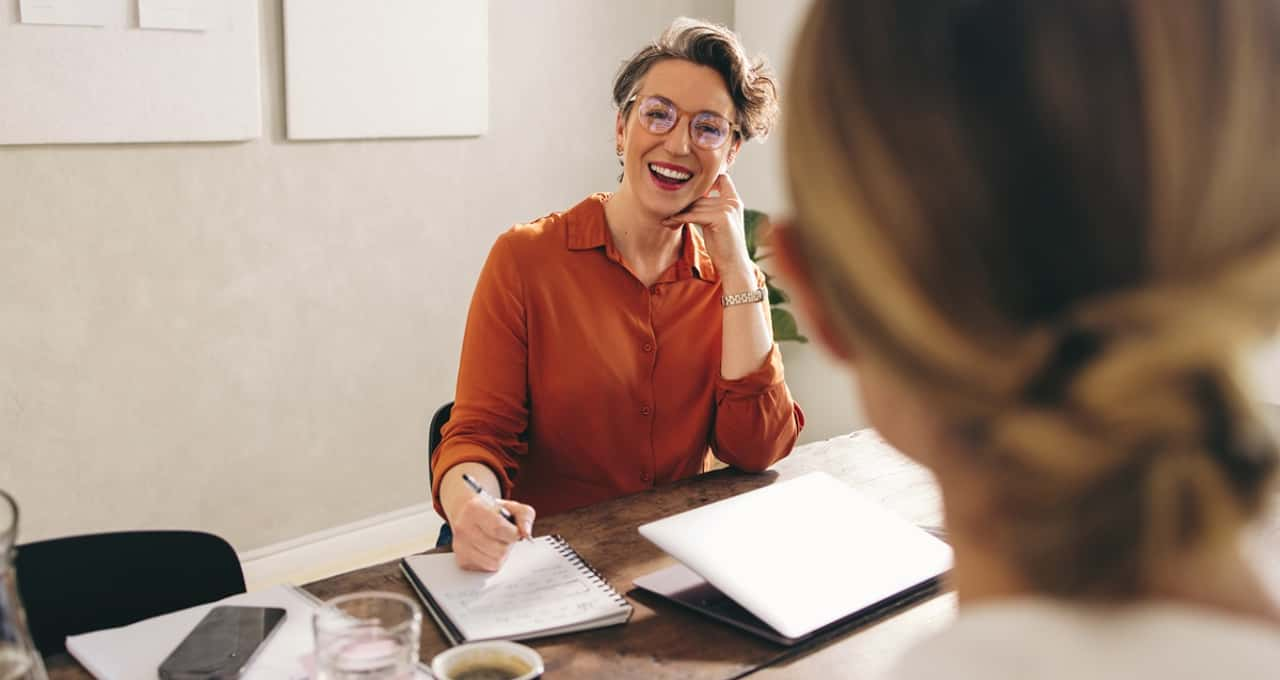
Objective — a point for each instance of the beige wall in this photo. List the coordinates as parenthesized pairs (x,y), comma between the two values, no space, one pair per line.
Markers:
(250,338)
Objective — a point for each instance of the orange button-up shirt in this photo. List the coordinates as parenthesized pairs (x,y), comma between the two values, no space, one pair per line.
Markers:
(578,383)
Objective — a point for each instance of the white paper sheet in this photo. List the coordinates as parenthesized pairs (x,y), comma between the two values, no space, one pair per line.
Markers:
(135,651)
(63,12)
(176,15)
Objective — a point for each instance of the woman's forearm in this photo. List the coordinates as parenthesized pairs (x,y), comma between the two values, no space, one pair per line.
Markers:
(454,492)
(748,333)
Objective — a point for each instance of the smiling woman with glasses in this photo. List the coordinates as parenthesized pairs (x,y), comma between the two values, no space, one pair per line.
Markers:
(616,345)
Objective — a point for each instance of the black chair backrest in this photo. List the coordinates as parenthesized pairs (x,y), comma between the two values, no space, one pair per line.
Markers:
(433,437)
(84,583)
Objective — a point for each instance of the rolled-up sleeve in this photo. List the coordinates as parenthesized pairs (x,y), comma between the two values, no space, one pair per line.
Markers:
(756,421)
(491,409)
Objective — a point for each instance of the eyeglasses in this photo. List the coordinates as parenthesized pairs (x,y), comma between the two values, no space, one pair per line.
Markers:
(659,115)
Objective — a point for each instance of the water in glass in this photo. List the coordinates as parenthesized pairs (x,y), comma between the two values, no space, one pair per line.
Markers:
(367,636)
(19,659)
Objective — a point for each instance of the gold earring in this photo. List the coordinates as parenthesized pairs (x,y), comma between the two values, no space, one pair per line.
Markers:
(619,150)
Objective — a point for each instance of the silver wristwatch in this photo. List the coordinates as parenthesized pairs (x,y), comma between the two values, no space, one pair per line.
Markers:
(750,296)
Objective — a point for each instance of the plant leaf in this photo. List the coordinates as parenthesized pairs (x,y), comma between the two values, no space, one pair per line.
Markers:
(776,295)
(753,221)
(784,326)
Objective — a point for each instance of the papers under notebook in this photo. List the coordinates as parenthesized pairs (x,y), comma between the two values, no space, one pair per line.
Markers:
(543,588)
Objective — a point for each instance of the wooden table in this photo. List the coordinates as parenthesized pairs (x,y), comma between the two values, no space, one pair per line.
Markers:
(665,641)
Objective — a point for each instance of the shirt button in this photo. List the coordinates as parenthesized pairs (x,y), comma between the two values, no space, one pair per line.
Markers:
(644,476)
(654,290)
(644,409)
(648,347)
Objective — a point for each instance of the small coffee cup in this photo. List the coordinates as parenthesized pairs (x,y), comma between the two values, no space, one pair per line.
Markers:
(489,660)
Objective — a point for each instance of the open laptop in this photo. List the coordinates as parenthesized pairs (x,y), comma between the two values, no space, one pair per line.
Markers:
(795,559)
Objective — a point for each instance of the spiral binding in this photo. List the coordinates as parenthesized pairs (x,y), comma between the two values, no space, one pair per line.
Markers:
(562,546)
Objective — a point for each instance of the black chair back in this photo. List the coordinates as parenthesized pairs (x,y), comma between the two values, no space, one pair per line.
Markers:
(84,583)
(438,420)
(442,414)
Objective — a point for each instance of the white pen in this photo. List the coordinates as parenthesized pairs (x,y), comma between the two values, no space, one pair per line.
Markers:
(493,502)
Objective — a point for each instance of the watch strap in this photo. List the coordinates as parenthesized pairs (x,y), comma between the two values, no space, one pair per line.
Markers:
(747,297)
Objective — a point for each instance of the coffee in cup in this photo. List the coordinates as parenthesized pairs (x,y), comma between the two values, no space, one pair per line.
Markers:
(491,660)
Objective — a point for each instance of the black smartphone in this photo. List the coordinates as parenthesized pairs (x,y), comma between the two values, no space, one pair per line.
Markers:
(222,644)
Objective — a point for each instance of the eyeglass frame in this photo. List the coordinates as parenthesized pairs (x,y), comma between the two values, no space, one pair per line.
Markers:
(734,128)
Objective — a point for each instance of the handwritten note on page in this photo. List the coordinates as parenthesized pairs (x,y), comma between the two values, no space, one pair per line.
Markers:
(542,589)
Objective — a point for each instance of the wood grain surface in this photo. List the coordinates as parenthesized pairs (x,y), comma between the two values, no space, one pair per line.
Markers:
(665,641)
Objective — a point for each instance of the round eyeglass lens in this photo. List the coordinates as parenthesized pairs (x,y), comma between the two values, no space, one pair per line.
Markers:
(659,115)
(709,130)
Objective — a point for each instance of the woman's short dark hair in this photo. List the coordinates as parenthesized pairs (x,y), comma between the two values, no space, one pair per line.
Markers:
(750,82)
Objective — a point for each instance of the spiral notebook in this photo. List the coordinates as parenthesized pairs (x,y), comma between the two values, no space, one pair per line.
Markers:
(544,588)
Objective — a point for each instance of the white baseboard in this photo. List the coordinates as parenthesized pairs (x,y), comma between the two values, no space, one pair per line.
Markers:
(339,549)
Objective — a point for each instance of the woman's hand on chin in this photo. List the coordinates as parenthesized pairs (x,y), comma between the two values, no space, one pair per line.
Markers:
(723,226)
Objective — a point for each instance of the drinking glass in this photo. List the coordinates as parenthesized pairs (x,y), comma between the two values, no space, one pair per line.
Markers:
(369,636)
(19,659)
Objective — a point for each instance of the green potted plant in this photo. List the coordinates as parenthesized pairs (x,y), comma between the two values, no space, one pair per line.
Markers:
(785,328)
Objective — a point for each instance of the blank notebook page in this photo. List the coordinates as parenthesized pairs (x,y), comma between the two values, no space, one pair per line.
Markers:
(543,588)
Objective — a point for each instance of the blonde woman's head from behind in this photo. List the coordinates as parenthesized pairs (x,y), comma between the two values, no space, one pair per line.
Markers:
(1045,233)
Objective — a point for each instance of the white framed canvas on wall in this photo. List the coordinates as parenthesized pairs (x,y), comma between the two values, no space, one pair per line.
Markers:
(86,72)
(392,68)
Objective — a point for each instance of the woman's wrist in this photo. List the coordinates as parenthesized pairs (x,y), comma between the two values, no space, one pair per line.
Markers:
(738,277)
(454,493)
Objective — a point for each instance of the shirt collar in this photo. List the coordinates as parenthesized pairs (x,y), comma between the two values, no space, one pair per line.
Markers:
(585,224)
(587,230)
